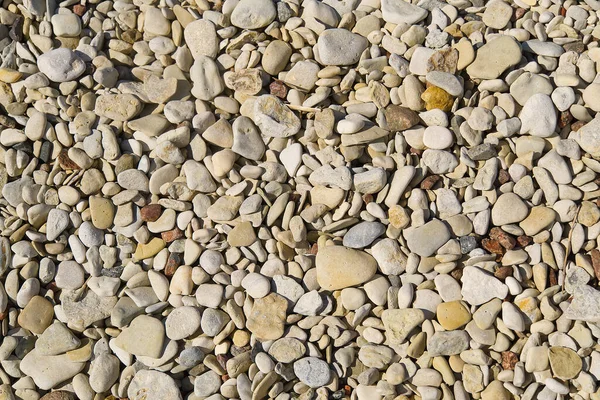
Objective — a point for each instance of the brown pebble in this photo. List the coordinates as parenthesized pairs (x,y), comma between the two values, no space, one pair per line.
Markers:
(552,278)
(429,182)
(575,126)
(367,198)
(524,240)
(505,240)
(493,246)
(59,395)
(509,360)
(595,254)
(503,176)
(172,235)
(457,274)
(65,161)
(503,272)
(79,9)
(277,88)
(151,212)
(565,119)
(173,262)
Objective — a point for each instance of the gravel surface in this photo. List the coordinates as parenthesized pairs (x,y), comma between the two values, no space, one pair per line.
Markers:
(249,199)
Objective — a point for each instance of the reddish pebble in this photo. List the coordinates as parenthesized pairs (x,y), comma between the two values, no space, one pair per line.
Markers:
(151,212)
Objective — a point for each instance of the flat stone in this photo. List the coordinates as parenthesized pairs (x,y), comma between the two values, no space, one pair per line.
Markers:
(363,234)
(495,57)
(274,118)
(144,337)
(497,14)
(312,371)
(565,363)
(427,239)
(241,235)
(182,322)
(48,371)
(539,218)
(267,318)
(253,14)
(118,107)
(480,287)
(400,118)
(453,315)
(153,385)
(37,315)
(339,267)
(585,305)
(447,343)
(340,47)
(401,12)
(509,209)
(287,350)
(201,38)
(61,65)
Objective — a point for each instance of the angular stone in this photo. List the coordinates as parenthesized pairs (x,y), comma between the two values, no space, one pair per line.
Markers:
(400,323)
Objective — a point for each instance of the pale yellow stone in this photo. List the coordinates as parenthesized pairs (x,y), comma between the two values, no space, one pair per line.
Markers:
(102,211)
(8,75)
(453,314)
(150,249)
(241,235)
(339,267)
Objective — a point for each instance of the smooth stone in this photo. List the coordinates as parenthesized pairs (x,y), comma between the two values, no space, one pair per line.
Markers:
(118,107)
(588,136)
(182,322)
(427,239)
(153,385)
(538,116)
(201,38)
(37,315)
(363,234)
(253,14)
(447,343)
(339,267)
(509,209)
(208,81)
(144,337)
(312,371)
(340,47)
(48,371)
(61,65)
(539,218)
(401,12)
(565,363)
(495,57)
(287,350)
(390,259)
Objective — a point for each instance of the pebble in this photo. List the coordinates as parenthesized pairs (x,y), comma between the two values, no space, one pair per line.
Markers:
(312,371)
(61,65)
(339,267)
(340,47)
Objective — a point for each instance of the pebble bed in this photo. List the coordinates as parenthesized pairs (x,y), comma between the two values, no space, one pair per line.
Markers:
(313,200)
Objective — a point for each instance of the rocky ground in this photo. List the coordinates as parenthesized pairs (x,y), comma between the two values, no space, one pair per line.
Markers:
(373,200)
